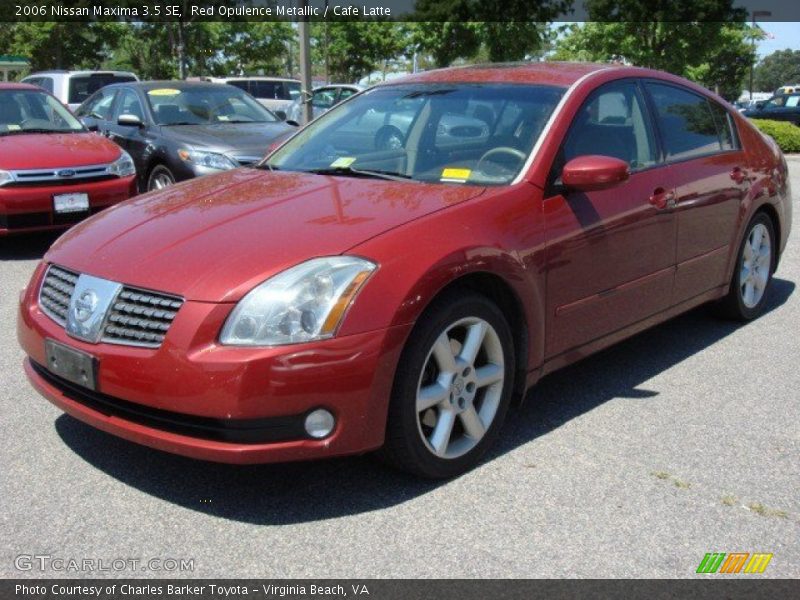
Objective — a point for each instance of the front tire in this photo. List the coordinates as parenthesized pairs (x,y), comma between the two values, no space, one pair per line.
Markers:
(452,388)
(753,273)
(160,177)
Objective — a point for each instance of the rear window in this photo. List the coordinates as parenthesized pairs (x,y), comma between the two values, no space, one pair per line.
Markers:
(83,86)
(274,90)
(688,127)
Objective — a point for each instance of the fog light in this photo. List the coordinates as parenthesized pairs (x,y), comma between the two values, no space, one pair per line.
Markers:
(319,423)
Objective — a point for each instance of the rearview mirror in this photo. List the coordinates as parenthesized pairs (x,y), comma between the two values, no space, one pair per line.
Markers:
(129,121)
(594,172)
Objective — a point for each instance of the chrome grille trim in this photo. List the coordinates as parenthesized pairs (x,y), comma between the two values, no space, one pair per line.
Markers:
(136,317)
(140,318)
(57,287)
(55,176)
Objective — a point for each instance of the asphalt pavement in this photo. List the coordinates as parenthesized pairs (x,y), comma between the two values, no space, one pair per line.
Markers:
(633,463)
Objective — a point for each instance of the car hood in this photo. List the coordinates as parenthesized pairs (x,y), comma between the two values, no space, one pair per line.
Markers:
(55,150)
(215,238)
(236,139)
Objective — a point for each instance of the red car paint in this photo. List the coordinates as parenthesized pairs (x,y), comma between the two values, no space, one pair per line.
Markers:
(581,275)
(25,208)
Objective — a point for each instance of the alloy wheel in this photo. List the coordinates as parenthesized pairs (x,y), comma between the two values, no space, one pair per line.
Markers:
(755,265)
(460,387)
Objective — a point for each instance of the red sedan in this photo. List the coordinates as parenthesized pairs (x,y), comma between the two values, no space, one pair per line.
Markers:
(53,171)
(401,269)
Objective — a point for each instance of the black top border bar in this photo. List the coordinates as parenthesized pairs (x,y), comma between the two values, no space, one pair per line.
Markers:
(397,10)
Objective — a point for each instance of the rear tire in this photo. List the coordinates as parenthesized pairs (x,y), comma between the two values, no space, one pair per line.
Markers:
(452,388)
(752,275)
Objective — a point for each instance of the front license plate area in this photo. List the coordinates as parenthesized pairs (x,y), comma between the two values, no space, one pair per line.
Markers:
(70,203)
(72,365)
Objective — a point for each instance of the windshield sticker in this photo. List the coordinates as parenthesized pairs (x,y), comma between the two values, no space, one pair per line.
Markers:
(343,162)
(163,92)
(13,127)
(454,174)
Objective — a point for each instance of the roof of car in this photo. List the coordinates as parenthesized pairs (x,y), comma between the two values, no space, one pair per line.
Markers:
(18,86)
(552,73)
(254,78)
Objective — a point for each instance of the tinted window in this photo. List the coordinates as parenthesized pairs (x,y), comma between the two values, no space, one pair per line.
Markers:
(242,84)
(345,93)
(612,122)
(46,83)
(83,86)
(725,127)
(273,90)
(686,122)
(323,98)
(98,106)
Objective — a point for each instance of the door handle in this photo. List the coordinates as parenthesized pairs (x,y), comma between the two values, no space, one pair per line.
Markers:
(739,175)
(663,199)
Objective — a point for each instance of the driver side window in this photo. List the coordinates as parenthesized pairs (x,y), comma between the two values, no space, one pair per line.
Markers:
(612,122)
(99,106)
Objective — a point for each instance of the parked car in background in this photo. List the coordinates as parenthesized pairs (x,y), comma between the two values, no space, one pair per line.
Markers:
(176,130)
(788,89)
(74,87)
(341,298)
(53,171)
(322,100)
(777,108)
(276,93)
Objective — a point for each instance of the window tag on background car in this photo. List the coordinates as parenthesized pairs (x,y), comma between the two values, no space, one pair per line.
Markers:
(343,161)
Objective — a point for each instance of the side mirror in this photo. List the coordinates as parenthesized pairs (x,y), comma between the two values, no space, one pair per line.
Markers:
(594,172)
(281,114)
(129,121)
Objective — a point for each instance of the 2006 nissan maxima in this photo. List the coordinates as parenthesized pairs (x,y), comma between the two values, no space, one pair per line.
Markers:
(343,297)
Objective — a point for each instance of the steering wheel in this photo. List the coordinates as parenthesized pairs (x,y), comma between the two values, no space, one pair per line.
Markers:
(518,154)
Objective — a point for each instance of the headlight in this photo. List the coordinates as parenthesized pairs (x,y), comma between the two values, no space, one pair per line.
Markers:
(304,303)
(123,166)
(211,160)
(5,177)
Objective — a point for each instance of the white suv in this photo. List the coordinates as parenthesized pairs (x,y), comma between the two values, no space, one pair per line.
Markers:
(73,87)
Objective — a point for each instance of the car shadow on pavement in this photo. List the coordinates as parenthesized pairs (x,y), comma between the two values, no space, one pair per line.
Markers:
(27,247)
(311,491)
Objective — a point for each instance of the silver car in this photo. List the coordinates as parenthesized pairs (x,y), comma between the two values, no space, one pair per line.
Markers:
(322,100)
(74,87)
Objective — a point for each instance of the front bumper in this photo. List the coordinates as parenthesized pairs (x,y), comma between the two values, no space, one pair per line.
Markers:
(29,208)
(194,397)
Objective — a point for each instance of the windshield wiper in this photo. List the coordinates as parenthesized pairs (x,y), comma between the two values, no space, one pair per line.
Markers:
(377,174)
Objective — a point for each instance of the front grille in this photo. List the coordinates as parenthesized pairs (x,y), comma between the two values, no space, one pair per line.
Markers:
(59,182)
(140,318)
(136,317)
(56,291)
(61,175)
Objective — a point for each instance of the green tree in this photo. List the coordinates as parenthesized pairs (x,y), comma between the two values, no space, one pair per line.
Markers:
(777,69)
(715,54)
(62,45)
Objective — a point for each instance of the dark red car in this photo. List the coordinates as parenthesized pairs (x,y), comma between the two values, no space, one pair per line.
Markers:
(346,296)
(53,171)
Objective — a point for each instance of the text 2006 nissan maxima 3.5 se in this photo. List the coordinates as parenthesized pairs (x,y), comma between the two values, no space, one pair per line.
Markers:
(344,296)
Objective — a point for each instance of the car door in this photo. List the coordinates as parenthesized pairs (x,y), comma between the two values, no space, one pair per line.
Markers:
(96,112)
(132,138)
(710,178)
(610,255)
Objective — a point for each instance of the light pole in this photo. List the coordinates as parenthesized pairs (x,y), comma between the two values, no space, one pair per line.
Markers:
(305,62)
(756,13)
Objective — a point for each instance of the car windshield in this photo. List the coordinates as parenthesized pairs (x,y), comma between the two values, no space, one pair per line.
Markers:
(32,111)
(204,105)
(451,133)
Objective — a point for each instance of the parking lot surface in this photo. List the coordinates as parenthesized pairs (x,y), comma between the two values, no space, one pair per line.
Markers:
(633,463)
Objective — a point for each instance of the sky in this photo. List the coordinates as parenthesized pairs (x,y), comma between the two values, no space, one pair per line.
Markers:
(787,35)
